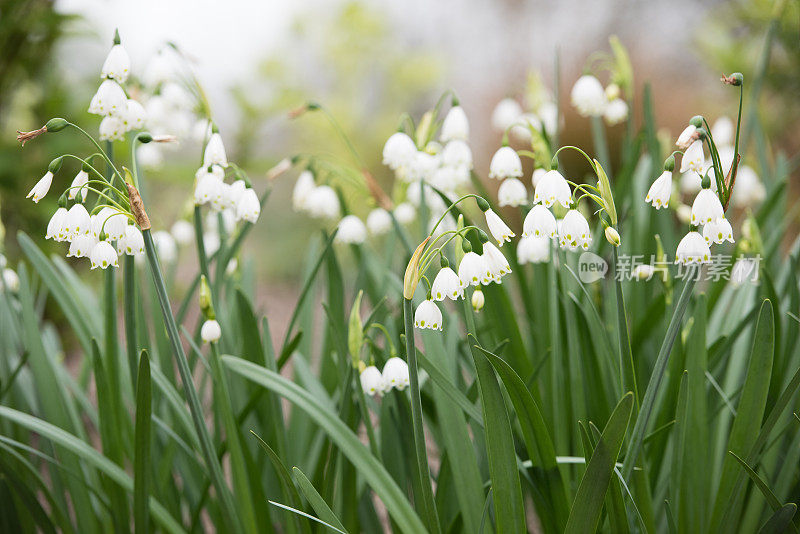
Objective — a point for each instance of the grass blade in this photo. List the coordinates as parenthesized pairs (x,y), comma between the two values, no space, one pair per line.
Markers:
(142,451)
(317,502)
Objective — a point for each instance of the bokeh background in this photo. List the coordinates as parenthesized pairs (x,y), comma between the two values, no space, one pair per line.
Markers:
(368,61)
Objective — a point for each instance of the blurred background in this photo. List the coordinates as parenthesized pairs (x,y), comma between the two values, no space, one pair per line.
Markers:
(368,61)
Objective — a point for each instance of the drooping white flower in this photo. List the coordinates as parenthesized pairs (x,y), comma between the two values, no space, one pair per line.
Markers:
(659,193)
(103,255)
(686,138)
(208,185)
(248,206)
(399,151)
(165,246)
(214,153)
(395,372)
(405,213)
(533,249)
(718,231)
(303,188)
(323,203)
(499,230)
(371,381)
(78,222)
(41,188)
(473,271)
(723,131)
(109,99)
(643,272)
(211,242)
(693,249)
(616,111)
(588,96)
(183,232)
(522,127)
(574,231)
(512,192)
(55,228)
(539,222)
(421,167)
(79,185)
(537,176)
(81,246)
(496,263)
(112,128)
(553,188)
(693,158)
(379,221)
(506,113)
(748,191)
(548,115)
(10,280)
(134,116)
(351,230)
(233,194)
(428,315)
(132,242)
(447,284)
(455,125)
(457,154)
(505,163)
(210,332)
(110,221)
(706,208)
(117,64)
(447,178)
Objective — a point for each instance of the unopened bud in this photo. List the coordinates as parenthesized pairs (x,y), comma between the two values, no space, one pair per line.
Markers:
(55,165)
(669,164)
(204,298)
(735,79)
(696,121)
(482,203)
(478,300)
(612,236)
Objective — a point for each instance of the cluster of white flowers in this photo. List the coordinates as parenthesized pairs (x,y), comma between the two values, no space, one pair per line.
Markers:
(236,198)
(317,201)
(394,375)
(120,113)
(509,115)
(590,99)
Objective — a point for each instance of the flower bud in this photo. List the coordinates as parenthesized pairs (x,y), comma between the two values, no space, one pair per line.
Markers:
(482,237)
(355,330)
(669,164)
(482,203)
(443,262)
(56,124)
(55,165)
(144,137)
(466,246)
(411,277)
(612,236)
(706,182)
(478,300)
(204,297)
(696,121)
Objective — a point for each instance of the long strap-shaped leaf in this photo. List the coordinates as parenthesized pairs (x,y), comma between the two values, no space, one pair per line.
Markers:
(588,503)
(368,466)
(142,450)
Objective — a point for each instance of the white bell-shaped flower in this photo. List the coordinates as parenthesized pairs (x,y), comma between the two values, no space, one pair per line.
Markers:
(214,153)
(506,113)
(112,128)
(447,284)
(399,151)
(210,332)
(81,246)
(56,227)
(422,167)
(323,203)
(496,263)
(539,222)
(110,221)
(687,137)
(512,192)
(117,64)
(379,221)
(351,230)
(395,373)
(553,188)
(209,187)
(455,125)
(478,299)
(574,232)
(234,193)
(588,96)
(132,242)
(371,381)
(103,255)
(41,188)
(537,176)
(723,131)
(473,271)
(659,193)
(693,249)
(533,249)
(457,154)
(405,213)
(248,206)
(428,315)
(718,231)
(499,230)
(693,158)
(79,185)
(505,163)
(182,231)
(303,188)
(748,191)
(109,99)
(134,116)
(616,111)
(78,222)
(165,246)
(706,208)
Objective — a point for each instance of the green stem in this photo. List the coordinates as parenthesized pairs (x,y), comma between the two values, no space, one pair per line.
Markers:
(100,150)
(209,454)
(423,470)
(648,402)
(626,365)
(201,247)
(129,297)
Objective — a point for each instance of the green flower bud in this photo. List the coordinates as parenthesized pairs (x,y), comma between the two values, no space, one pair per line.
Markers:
(355,331)
(55,165)
(482,203)
(466,245)
(669,164)
(443,262)
(706,182)
(612,236)
(204,297)
(144,137)
(55,125)
(482,237)
(696,121)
